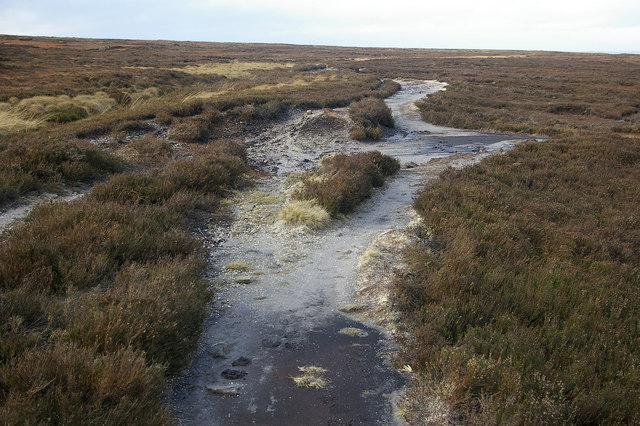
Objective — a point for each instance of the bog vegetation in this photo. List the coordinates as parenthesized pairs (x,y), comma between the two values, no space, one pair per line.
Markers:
(523,298)
(341,183)
(522,303)
(102,297)
(369,115)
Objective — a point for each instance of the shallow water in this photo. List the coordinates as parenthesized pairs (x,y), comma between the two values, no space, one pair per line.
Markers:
(287,316)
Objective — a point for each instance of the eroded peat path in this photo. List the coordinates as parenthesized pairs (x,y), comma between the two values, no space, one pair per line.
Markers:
(278,304)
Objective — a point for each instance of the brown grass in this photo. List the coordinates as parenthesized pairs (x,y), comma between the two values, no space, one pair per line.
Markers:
(305,212)
(311,377)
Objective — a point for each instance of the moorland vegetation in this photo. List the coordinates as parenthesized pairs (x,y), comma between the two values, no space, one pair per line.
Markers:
(523,296)
(522,301)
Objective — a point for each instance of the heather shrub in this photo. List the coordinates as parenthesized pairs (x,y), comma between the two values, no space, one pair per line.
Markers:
(369,114)
(156,308)
(67,384)
(213,171)
(503,302)
(134,126)
(83,244)
(35,162)
(101,297)
(152,150)
(187,109)
(190,129)
(357,133)
(345,180)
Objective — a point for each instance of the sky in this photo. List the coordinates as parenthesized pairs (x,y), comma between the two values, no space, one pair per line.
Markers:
(561,25)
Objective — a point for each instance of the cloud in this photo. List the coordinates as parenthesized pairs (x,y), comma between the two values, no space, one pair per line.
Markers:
(543,24)
(26,22)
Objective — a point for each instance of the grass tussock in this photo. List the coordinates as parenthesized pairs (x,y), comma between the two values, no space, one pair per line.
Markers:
(369,115)
(232,69)
(311,377)
(528,296)
(62,108)
(344,180)
(354,332)
(10,123)
(237,266)
(305,212)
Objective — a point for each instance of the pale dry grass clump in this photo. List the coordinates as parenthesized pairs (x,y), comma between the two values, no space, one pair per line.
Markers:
(32,113)
(369,254)
(353,331)
(305,212)
(312,377)
(237,266)
(11,123)
(144,95)
(233,69)
(261,197)
(43,106)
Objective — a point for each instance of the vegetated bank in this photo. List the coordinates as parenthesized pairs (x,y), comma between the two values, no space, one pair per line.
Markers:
(337,187)
(369,115)
(103,296)
(523,299)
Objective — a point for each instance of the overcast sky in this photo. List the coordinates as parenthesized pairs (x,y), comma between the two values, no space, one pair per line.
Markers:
(587,26)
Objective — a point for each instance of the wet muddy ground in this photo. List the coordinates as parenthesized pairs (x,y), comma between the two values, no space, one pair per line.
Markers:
(278,303)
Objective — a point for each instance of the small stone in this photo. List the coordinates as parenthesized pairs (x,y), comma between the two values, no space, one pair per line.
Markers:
(411,165)
(243,361)
(244,279)
(231,374)
(224,390)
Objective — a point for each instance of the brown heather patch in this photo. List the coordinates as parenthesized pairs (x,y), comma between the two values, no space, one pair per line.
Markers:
(100,298)
(369,114)
(345,180)
(35,162)
(524,303)
(70,384)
